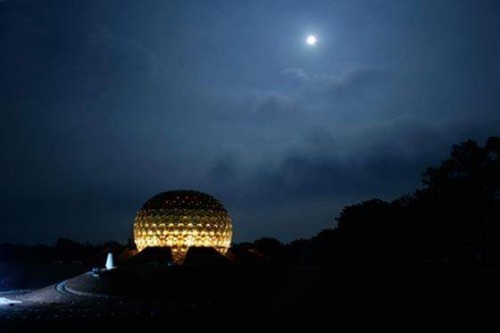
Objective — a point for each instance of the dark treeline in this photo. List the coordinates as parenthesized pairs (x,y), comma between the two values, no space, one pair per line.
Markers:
(442,239)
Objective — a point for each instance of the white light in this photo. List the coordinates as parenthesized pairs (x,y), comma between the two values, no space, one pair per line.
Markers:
(6,301)
(110,262)
(311,40)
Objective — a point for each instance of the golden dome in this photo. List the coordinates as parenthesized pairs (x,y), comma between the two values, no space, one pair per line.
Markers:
(182,219)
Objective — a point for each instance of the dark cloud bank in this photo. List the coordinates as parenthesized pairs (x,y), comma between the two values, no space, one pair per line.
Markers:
(104,104)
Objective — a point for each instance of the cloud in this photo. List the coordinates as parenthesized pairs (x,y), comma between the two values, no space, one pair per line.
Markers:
(355,77)
(329,166)
(297,73)
(344,163)
(328,82)
(102,37)
(273,105)
(147,96)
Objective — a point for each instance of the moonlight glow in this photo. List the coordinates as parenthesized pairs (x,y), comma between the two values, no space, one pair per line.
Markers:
(311,40)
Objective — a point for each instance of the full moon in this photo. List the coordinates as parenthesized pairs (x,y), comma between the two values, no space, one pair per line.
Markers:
(311,40)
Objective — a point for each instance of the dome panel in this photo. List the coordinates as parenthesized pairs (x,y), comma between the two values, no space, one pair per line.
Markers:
(183,219)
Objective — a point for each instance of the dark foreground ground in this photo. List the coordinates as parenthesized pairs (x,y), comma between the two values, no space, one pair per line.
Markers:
(127,298)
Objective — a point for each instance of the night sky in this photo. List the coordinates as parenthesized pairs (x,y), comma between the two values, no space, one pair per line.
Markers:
(106,103)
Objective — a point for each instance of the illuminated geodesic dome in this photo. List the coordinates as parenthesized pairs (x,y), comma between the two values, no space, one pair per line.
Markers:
(182,219)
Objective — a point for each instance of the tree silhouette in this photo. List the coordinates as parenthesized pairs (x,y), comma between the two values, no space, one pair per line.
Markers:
(460,203)
(455,217)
